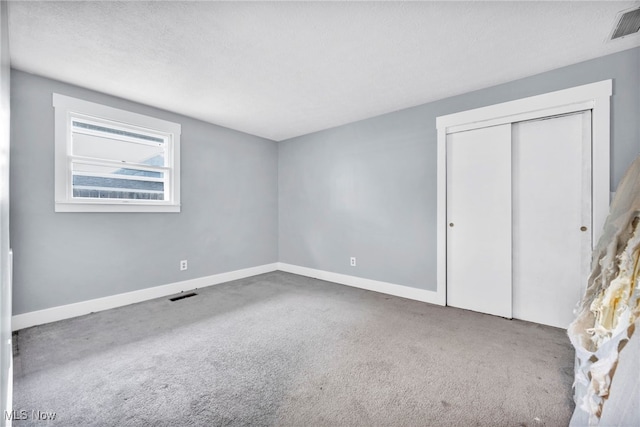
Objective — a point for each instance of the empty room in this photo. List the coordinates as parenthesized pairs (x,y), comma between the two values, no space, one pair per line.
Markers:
(306,213)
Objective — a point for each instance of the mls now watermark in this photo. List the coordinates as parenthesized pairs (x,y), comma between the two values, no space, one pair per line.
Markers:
(33,414)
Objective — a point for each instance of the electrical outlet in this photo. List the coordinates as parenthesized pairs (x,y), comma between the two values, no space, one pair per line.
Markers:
(353,261)
(183,264)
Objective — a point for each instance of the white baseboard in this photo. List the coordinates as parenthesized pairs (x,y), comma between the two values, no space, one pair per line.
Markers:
(408,292)
(53,314)
(33,318)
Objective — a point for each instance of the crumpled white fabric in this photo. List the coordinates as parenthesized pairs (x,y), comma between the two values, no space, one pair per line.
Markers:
(609,312)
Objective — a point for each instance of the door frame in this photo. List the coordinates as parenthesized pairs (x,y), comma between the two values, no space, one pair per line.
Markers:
(593,96)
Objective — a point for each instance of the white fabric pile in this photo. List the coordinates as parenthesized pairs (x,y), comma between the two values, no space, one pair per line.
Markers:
(609,312)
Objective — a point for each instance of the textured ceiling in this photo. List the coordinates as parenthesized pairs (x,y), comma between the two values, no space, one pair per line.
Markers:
(280,70)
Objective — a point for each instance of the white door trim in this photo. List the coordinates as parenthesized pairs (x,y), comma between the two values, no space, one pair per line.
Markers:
(593,96)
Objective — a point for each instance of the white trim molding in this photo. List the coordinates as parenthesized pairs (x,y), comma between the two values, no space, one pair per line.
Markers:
(529,108)
(593,96)
(53,314)
(408,292)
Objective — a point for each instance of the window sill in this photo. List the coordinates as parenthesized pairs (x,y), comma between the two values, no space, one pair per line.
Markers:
(117,207)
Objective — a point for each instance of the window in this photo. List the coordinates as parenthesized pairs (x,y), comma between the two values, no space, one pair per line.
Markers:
(111,160)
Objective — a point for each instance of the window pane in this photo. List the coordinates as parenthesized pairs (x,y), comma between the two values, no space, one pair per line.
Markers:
(87,169)
(82,125)
(98,147)
(103,182)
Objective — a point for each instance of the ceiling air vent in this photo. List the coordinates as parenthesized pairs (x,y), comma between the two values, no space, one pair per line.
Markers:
(628,23)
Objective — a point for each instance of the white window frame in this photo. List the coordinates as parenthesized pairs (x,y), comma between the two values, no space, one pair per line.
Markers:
(67,107)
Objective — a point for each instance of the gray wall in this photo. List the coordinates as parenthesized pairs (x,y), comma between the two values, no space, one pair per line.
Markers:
(368,189)
(228,219)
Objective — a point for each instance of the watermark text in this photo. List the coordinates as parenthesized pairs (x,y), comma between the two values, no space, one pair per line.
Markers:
(34,414)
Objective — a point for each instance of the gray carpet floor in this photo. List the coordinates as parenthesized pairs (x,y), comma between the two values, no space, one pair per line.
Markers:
(281,349)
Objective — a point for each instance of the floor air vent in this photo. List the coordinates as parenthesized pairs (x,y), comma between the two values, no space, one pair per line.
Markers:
(628,23)
(179,297)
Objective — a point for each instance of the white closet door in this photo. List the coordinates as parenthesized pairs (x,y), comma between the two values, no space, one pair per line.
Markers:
(479,220)
(551,202)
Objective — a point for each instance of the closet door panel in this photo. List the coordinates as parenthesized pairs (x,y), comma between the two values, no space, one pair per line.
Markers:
(551,217)
(479,220)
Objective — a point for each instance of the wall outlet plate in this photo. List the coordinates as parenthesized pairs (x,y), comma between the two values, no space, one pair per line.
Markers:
(353,261)
(183,265)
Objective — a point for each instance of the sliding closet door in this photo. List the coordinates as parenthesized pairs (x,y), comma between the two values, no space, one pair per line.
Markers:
(479,220)
(551,217)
